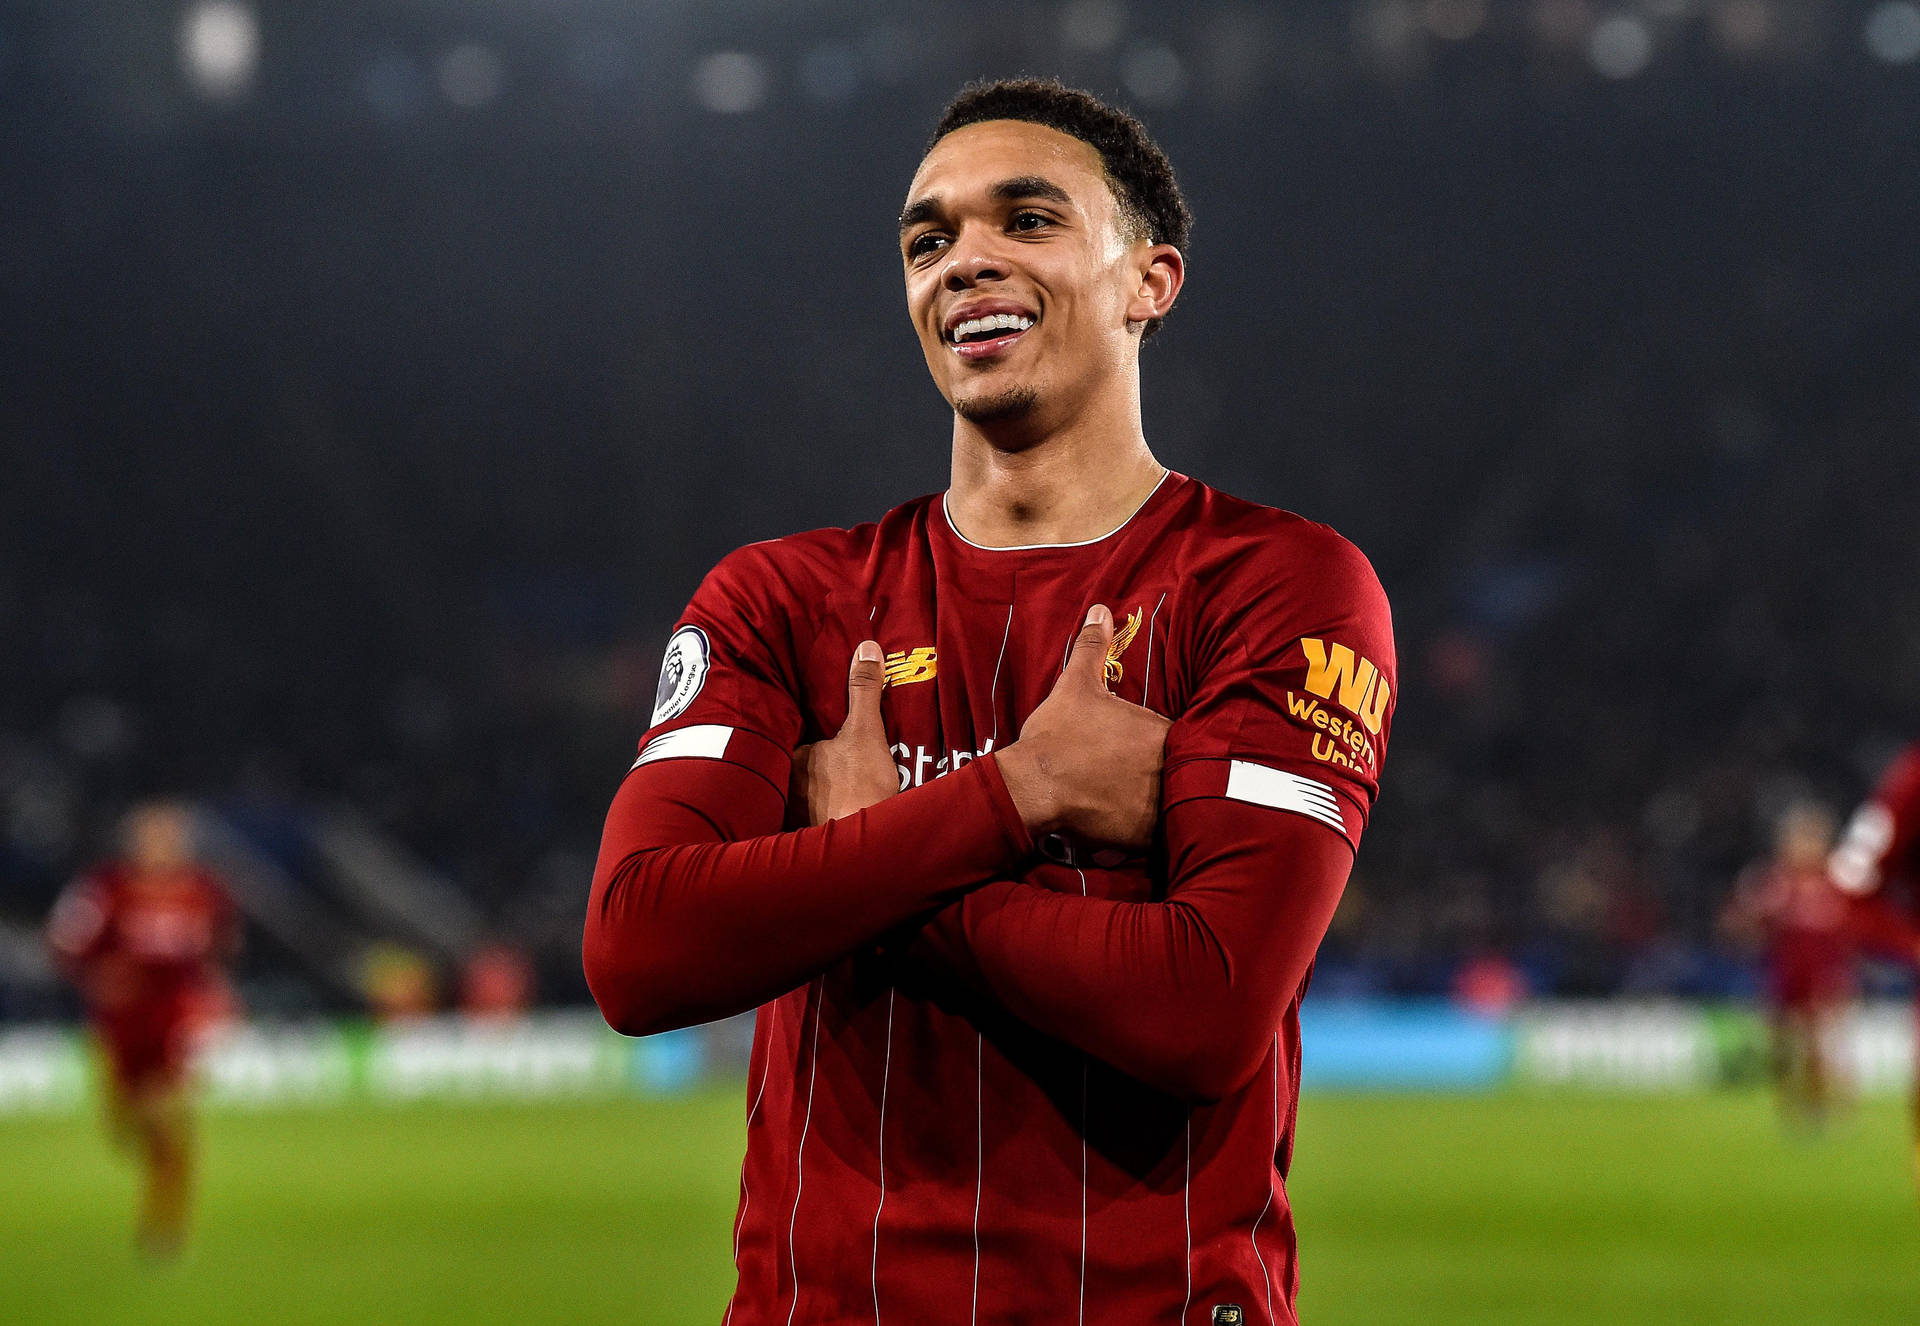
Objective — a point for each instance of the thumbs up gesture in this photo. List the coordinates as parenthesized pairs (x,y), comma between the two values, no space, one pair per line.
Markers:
(854,768)
(1087,760)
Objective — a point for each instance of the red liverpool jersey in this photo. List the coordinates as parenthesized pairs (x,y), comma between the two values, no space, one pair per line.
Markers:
(146,955)
(918,1154)
(1808,928)
(1877,862)
(166,938)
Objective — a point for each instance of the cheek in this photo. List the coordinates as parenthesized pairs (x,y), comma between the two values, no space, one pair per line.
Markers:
(919,315)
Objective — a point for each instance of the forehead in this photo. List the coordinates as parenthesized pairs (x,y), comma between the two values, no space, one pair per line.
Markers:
(970,161)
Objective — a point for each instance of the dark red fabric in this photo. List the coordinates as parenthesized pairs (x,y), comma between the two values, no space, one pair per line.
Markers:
(1807,923)
(1877,863)
(1203,977)
(150,1048)
(684,926)
(1809,970)
(146,959)
(921,1148)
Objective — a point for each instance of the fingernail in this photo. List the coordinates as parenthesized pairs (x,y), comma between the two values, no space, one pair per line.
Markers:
(1094,613)
(868,652)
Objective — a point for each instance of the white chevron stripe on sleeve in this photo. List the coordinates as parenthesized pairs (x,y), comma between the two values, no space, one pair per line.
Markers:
(1260,786)
(701,741)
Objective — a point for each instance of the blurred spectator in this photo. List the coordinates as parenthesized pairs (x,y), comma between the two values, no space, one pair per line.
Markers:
(496,982)
(1490,984)
(143,936)
(398,983)
(1788,903)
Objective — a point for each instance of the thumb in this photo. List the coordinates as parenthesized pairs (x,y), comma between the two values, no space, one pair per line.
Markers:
(865,680)
(1088,661)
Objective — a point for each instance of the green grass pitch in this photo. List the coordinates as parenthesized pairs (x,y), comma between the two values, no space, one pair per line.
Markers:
(1506,1209)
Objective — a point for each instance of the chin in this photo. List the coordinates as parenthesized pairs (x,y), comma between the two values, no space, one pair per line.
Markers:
(997,404)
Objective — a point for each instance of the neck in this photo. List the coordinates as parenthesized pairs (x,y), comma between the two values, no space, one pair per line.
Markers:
(1069,484)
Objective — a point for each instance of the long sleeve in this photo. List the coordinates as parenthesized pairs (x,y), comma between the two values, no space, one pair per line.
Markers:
(1184,994)
(701,909)
(1878,847)
(1883,930)
(77,926)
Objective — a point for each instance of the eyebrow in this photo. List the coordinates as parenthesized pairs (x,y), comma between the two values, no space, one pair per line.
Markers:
(1006,191)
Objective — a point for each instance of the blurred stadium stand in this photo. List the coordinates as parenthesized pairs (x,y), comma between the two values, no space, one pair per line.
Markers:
(380,380)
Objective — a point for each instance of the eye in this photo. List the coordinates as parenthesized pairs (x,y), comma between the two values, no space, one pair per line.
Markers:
(927,241)
(1029,221)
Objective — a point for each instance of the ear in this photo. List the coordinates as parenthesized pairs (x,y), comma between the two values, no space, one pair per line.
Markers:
(1162,271)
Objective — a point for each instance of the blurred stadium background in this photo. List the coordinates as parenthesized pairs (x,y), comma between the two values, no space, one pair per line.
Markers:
(381,377)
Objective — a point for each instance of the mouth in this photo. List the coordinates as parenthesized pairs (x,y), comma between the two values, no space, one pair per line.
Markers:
(985,334)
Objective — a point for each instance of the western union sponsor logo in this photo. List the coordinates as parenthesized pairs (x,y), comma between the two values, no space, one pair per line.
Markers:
(906,666)
(1344,744)
(1337,674)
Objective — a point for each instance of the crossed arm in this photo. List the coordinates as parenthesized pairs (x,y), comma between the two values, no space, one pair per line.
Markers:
(701,908)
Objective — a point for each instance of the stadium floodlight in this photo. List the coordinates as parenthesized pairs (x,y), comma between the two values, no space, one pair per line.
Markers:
(1892,32)
(1620,47)
(470,75)
(731,82)
(220,48)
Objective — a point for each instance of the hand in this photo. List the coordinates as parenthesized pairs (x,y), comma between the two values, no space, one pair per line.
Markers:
(853,769)
(1087,760)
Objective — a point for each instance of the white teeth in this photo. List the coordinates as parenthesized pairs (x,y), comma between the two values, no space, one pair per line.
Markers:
(992,322)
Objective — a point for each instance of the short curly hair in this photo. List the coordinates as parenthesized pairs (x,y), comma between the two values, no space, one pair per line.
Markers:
(1151,204)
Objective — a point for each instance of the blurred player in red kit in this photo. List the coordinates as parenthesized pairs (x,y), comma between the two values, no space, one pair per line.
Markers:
(1788,901)
(1877,865)
(143,937)
(1020,813)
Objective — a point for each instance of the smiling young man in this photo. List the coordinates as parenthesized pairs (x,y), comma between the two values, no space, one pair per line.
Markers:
(1029,891)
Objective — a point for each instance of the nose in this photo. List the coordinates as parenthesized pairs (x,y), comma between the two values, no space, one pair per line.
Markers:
(970,263)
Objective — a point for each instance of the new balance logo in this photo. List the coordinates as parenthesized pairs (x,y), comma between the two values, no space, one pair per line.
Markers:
(906,666)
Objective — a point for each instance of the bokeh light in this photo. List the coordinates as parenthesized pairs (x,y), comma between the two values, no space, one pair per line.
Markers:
(220,48)
(731,82)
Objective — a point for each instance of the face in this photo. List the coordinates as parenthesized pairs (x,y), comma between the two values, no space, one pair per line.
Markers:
(160,837)
(1026,291)
(1804,835)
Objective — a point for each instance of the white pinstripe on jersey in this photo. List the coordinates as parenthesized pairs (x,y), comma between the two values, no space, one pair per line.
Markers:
(819,990)
(979,1038)
(1254,1238)
(740,1221)
(886,1074)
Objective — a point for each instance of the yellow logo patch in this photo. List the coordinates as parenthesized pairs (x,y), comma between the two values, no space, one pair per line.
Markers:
(906,666)
(1121,639)
(1336,673)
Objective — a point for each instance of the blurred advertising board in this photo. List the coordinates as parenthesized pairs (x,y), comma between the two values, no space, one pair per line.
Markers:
(540,1056)
(1366,1045)
(1410,1045)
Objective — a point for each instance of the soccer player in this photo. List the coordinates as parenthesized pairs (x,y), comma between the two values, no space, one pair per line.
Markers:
(1877,864)
(143,938)
(1789,901)
(1020,812)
